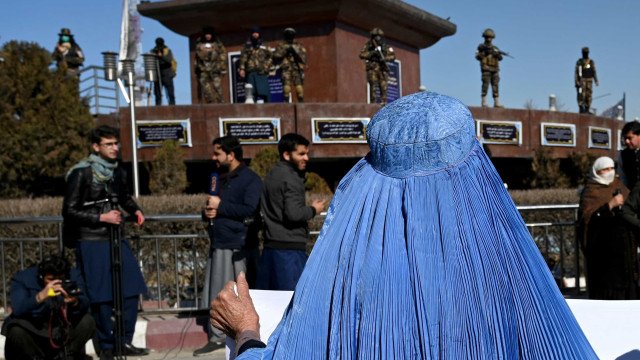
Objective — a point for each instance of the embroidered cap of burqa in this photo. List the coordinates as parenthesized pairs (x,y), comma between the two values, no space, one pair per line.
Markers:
(423,255)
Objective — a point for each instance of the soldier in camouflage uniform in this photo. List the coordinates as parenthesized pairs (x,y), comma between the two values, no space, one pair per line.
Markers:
(376,53)
(68,54)
(585,75)
(489,56)
(211,64)
(254,66)
(293,59)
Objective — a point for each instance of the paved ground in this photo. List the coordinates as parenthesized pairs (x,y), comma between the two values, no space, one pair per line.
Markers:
(178,354)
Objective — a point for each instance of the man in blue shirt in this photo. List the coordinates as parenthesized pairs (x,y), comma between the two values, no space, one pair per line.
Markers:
(229,212)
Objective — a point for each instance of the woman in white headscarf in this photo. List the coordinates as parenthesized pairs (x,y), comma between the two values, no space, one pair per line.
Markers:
(607,241)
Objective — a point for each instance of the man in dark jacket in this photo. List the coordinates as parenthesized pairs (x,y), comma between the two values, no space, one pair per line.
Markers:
(629,157)
(166,72)
(96,193)
(285,216)
(49,318)
(230,210)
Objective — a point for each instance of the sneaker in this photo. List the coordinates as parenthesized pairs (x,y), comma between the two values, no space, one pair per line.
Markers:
(208,348)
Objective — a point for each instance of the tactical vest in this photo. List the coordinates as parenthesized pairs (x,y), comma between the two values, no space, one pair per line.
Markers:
(586,65)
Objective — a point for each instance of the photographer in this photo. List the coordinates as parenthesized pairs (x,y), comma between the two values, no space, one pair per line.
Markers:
(49,319)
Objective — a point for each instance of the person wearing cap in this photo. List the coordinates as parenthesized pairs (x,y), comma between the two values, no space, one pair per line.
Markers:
(376,54)
(423,255)
(292,58)
(166,72)
(68,54)
(254,65)
(210,66)
(585,75)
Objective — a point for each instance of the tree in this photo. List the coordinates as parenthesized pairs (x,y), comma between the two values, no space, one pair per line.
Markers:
(264,160)
(168,173)
(546,170)
(45,124)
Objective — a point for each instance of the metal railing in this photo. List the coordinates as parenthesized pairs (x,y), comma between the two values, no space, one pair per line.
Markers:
(102,96)
(174,274)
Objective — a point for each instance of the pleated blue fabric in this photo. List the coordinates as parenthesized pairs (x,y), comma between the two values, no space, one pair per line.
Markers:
(423,255)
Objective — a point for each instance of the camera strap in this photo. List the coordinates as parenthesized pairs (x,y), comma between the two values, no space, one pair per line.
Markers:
(58,325)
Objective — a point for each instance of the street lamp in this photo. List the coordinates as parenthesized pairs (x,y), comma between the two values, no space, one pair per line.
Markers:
(128,73)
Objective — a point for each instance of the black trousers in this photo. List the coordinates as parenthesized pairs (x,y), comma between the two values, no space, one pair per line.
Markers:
(167,83)
(26,343)
(103,315)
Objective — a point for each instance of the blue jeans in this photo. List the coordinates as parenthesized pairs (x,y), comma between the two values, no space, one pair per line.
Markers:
(280,269)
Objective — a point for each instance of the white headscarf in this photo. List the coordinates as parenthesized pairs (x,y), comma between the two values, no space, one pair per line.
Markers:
(603,163)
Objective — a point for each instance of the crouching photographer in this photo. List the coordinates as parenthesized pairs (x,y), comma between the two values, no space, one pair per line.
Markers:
(49,318)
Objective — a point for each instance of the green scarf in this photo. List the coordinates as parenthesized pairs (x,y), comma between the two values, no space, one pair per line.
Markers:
(101,169)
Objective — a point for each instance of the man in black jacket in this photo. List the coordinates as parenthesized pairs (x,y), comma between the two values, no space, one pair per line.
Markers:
(96,194)
(49,318)
(230,210)
(285,216)
(629,157)
(166,72)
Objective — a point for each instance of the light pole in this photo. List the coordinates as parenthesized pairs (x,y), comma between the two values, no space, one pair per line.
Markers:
(128,73)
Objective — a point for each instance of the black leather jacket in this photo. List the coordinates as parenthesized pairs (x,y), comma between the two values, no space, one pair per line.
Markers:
(85,200)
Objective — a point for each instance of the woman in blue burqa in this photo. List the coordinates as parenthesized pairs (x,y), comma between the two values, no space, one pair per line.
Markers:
(423,255)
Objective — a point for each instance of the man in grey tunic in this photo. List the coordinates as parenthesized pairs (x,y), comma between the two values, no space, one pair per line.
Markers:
(231,207)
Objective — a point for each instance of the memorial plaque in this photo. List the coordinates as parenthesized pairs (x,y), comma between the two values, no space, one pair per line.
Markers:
(154,132)
(599,138)
(500,132)
(339,130)
(556,134)
(252,130)
(394,83)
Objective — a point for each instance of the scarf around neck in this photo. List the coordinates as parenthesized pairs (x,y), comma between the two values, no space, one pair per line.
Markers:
(101,169)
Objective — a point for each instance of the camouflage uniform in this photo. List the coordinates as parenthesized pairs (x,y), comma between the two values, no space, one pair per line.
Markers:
(68,54)
(211,64)
(256,60)
(376,53)
(293,59)
(489,56)
(585,75)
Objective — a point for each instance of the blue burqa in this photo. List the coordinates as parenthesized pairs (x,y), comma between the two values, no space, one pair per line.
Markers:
(423,255)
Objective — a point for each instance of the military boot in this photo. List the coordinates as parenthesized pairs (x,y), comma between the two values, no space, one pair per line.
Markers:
(484,101)
(496,103)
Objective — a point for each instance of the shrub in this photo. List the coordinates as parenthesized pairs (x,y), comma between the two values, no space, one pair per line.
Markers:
(546,172)
(168,172)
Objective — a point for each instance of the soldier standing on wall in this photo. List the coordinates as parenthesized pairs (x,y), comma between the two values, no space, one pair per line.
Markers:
(254,66)
(211,65)
(376,53)
(293,60)
(585,75)
(490,56)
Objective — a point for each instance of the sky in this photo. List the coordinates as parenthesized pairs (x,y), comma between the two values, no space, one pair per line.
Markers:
(543,36)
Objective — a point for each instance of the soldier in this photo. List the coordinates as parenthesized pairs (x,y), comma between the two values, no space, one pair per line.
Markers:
(376,53)
(293,59)
(489,56)
(211,64)
(254,65)
(585,75)
(68,54)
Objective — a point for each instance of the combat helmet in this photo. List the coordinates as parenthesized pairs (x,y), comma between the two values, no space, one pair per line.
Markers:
(488,33)
(65,31)
(377,31)
(290,30)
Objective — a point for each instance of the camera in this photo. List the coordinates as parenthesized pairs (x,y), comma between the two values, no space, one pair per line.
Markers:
(71,287)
